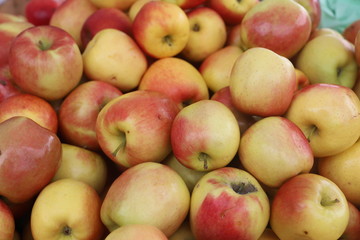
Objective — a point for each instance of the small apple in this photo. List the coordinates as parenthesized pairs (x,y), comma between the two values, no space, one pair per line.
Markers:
(136,232)
(77,218)
(39,12)
(7,222)
(7,86)
(228,203)
(45,61)
(233,36)
(352,231)
(309,206)
(148,193)
(161,29)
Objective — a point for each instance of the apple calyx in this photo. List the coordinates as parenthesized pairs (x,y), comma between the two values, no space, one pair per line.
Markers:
(243,188)
(168,40)
(66,230)
(121,145)
(44,45)
(203,157)
(312,131)
(196,27)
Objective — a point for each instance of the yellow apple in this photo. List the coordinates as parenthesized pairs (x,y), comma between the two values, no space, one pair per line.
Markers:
(136,232)
(123,5)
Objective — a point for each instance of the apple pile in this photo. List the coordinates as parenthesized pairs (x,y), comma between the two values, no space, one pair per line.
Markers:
(187,119)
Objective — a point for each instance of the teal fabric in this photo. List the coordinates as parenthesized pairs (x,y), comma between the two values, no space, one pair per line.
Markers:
(338,14)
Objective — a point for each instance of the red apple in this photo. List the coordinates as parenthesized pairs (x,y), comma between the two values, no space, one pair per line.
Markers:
(30,157)
(313,7)
(7,87)
(7,222)
(39,12)
(187,4)
(351,31)
(352,231)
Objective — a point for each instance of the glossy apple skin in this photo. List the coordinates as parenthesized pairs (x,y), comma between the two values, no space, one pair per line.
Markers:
(7,87)
(187,4)
(280,25)
(313,7)
(135,232)
(30,106)
(37,152)
(50,73)
(39,12)
(79,110)
(351,31)
(233,215)
(105,18)
(7,222)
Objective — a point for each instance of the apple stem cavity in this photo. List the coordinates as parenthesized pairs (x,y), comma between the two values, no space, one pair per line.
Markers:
(121,145)
(326,201)
(313,131)
(43,45)
(243,188)
(196,27)
(168,40)
(67,230)
(204,158)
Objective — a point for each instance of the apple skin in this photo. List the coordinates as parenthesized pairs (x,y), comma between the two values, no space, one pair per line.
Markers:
(45,61)
(34,149)
(282,26)
(79,110)
(352,231)
(114,57)
(7,222)
(161,29)
(144,191)
(79,216)
(10,17)
(30,106)
(275,141)
(123,5)
(247,83)
(340,69)
(301,79)
(135,232)
(357,48)
(313,7)
(239,206)
(135,127)
(325,31)
(331,124)
(39,12)
(309,206)
(105,18)
(187,4)
(7,86)
(351,31)
(176,78)
(135,8)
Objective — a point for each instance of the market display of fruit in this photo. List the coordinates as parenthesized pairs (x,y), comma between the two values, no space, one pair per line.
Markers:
(179,120)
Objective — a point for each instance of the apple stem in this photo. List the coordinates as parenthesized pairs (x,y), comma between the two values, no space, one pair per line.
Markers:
(312,132)
(168,40)
(326,202)
(121,145)
(204,157)
(43,45)
(67,230)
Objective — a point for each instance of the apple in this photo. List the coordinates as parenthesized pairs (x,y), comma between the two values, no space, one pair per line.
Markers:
(30,106)
(357,48)
(325,31)
(83,165)
(183,232)
(135,127)
(275,83)
(113,56)
(282,26)
(244,120)
(328,115)
(7,222)
(77,218)
(123,5)
(79,110)
(313,7)
(39,12)
(177,78)
(45,61)
(216,68)
(148,193)
(30,157)
(197,140)
(342,169)
(187,4)
(340,69)
(7,86)
(228,203)
(352,231)
(351,31)
(105,18)
(233,36)
(268,234)
(232,11)
(135,8)
(11,17)
(135,232)
(71,16)
(161,29)
(309,206)
(207,34)
(301,79)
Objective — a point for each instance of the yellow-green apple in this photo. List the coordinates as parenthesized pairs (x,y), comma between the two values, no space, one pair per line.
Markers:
(104,18)
(148,193)
(71,16)
(7,222)
(268,234)
(342,169)
(187,4)
(39,12)
(232,11)
(325,31)
(275,83)
(357,48)
(244,120)
(183,232)
(207,34)
(135,8)
(228,203)
(113,56)
(84,165)
(67,209)
(161,29)
(30,106)
(197,140)
(216,67)
(8,32)
(7,86)
(275,141)
(328,115)
(123,5)
(176,78)
(313,7)
(309,206)
(30,157)
(135,127)
(190,176)
(11,17)
(282,26)
(301,79)
(339,69)
(352,231)
(45,61)
(79,110)
(136,232)
(351,31)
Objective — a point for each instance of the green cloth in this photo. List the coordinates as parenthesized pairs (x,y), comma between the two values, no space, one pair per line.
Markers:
(338,14)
